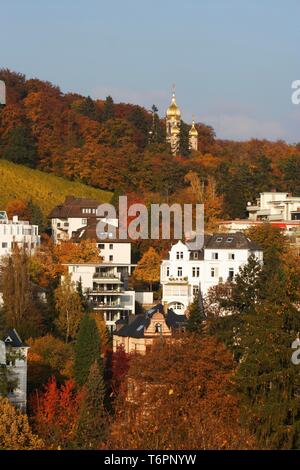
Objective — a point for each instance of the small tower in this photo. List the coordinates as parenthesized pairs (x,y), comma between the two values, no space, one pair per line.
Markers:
(173,125)
(193,137)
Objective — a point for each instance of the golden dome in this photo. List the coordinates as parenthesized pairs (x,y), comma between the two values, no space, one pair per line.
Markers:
(173,110)
(175,130)
(193,131)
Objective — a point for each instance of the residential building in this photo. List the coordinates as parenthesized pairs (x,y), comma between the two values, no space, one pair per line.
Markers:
(187,270)
(112,250)
(73,214)
(280,209)
(138,332)
(105,288)
(13,354)
(273,206)
(17,233)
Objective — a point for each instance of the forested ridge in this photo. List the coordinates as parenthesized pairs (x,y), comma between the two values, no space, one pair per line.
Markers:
(106,145)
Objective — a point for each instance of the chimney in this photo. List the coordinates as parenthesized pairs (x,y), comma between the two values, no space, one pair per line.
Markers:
(15,219)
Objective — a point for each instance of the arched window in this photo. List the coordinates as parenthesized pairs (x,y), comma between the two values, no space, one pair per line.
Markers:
(158,328)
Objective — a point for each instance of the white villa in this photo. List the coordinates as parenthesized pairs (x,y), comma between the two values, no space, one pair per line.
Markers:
(17,232)
(188,270)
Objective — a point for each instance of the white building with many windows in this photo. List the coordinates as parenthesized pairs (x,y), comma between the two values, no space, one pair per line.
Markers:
(18,233)
(105,288)
(188,270)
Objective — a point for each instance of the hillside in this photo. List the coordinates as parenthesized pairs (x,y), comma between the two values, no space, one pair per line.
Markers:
(108,145)
(45,190)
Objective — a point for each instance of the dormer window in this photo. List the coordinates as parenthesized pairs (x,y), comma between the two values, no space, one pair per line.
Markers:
(229,239)
(179,254)
(219,239)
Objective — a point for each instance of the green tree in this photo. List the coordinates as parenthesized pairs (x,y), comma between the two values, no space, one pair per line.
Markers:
(184,139)
(92,423)
(108,109)
(246,287)
(20,146)
(87,349)
(267,380)
(196,316)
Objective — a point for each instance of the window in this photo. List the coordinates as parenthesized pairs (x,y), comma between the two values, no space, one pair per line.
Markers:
(196,255)
(212,272)
(111,246)
(229,239)
(84,221)
(230,274)
(219,239)
(101,246)
(177,306)
(58,224)
(4,245)
(158,328)
(179,254)
(196,272)
(195,290)
(231,256)
(215,255)
(111,258)
(168,271)
(179,271)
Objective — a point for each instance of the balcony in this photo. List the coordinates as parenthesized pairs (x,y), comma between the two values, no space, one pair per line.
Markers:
(105,275)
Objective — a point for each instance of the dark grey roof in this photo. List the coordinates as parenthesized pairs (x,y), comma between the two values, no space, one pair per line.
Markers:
(12,339)
(237,241)
(137,323)
(89,232)
(72,207)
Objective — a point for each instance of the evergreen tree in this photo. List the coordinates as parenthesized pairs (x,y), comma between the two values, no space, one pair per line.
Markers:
(184,139)
(108,109)
(92,424)
(267,380)
(87,349)
(246,286)
(196,315)
(20,146)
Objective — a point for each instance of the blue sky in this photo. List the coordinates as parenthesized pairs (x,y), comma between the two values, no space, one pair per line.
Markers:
(233,61)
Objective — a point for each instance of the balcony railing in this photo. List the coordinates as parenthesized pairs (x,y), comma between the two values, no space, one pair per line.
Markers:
(105,276)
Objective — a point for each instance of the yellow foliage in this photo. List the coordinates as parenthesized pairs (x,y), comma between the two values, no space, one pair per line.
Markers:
(15,432)
(45,190)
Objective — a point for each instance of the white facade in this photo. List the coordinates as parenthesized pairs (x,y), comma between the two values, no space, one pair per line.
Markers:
(105,287)
(273,206)
(17,233)
(186,271)
(13,354)
(115,252)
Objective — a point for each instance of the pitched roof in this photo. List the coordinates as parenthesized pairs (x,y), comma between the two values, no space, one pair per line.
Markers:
(12,339)
(72,207)
(138,323)
(89,232)
(236,241)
